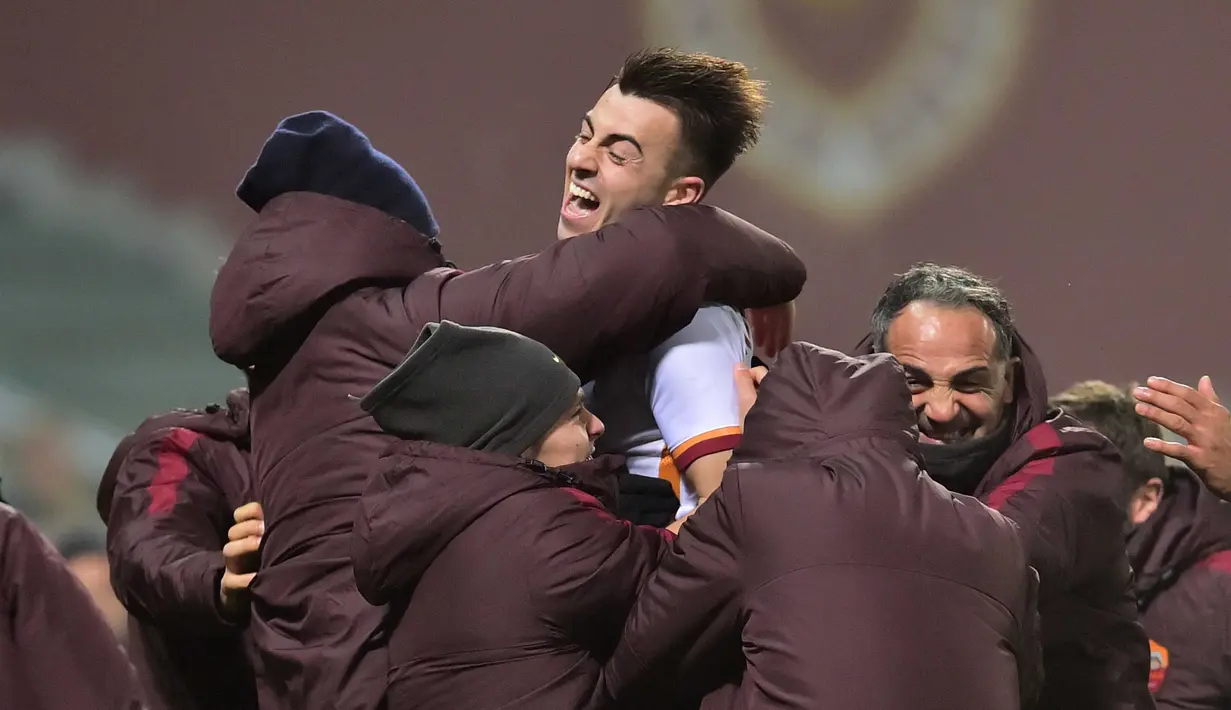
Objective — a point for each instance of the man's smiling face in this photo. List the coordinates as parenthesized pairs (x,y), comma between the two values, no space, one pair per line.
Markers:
(960,388)
(623,158)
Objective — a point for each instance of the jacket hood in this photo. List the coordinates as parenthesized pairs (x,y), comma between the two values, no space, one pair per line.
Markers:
(223,423)
(814,396)
(1030,405)
(304,251)
(1191,523)
(426,494)
(332,213)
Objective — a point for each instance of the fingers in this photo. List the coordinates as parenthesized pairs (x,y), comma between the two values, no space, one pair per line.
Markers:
(248,528)
(1166,387)
(249,511)
(1174,449)
(235,582)
(239,548)
(745,385)
(758,373)
(1165,419)
(1206,389)
(1163,395)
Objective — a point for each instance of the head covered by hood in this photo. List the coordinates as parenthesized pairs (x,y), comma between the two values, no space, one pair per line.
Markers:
(224,423)
(814,397)
(334,214)
(476,387)
(319,152)
(1191,524)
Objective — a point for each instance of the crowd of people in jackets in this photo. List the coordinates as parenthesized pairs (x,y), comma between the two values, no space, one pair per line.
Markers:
(603,475)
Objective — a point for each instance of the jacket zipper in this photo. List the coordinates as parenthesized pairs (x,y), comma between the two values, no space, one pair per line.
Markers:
(554,475)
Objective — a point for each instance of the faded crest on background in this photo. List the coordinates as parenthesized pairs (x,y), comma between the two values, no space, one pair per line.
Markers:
(853,155)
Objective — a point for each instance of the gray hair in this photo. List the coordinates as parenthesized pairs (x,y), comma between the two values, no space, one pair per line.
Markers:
(948,286)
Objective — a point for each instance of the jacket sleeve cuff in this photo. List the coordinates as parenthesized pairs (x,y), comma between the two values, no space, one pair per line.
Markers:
(206,603)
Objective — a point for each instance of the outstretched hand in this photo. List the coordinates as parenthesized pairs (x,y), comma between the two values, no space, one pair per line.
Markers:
(1197,415)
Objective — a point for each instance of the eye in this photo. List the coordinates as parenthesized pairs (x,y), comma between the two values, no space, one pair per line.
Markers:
(971,387)
(581,138)
(617,158)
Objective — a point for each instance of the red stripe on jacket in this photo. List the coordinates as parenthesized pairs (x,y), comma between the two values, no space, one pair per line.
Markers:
(172,469)
(1220,561)
(1042,437)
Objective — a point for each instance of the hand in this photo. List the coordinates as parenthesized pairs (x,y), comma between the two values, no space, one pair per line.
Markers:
(242,558)
(1198,416)
(747,381)
(773,328)
(679,523)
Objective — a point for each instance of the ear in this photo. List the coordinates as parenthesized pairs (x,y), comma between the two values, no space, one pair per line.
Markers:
(684,191)
(1010,378)
(1145,501)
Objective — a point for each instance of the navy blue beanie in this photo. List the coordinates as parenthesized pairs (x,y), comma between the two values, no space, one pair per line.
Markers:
(319,152)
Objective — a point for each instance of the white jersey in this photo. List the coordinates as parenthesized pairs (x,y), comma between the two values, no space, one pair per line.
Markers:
(668,408)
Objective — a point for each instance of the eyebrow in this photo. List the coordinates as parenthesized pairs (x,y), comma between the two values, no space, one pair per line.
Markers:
(967,374)
(614,137)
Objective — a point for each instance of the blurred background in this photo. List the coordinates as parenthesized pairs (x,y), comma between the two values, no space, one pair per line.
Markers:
(1074,150)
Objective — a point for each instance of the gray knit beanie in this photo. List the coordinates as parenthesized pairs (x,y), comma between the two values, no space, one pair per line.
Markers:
(482,388)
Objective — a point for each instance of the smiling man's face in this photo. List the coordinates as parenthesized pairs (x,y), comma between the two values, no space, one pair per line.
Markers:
(623,157)
(960,388)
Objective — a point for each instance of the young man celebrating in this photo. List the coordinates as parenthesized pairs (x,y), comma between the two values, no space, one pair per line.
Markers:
(327,290)
(665,130)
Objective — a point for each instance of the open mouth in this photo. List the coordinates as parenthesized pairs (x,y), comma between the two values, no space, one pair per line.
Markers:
(955,437)
(579,203)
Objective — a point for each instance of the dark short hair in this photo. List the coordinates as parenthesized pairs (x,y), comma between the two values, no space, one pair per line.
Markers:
(1112,412)
(720,106)
(949,286)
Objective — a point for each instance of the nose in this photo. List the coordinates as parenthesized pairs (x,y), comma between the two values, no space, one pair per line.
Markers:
(582,159)
(941,406)
(596,427)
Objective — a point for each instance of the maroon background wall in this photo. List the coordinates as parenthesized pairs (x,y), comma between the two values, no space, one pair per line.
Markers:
(1088,170)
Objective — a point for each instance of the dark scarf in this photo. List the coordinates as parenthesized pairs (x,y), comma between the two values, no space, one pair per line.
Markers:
(961,466)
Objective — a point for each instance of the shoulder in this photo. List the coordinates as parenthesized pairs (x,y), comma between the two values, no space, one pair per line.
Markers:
(22,549)
(1064,456)
(575,505)
(160,444)
(569,521)
(1196,610)
(1215,571)
(14,527)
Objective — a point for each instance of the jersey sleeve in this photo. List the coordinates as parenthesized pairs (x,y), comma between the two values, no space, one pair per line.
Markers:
(692,385)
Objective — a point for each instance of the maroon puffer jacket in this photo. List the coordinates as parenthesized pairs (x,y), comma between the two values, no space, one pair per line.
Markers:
(321,298)
(1182,556)
(851,579)
(1062,483)
(167,497)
